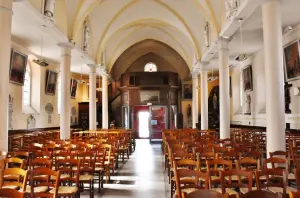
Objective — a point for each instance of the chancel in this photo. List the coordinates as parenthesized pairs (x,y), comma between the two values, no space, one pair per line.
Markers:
(149,98)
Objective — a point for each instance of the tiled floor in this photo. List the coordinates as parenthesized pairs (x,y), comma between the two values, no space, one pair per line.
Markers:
(142,176)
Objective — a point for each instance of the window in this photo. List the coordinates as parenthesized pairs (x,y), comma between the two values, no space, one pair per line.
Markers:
(150,67)
(27,87)
(58,92)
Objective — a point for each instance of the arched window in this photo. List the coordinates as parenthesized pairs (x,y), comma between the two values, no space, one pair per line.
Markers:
(27,87)
(150,67)
(58,92)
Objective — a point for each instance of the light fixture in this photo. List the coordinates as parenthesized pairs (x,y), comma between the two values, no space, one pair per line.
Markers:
(212,77)
(287,29)
(41,61)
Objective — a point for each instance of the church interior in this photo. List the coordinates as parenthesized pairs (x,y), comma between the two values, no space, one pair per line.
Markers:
(150,98)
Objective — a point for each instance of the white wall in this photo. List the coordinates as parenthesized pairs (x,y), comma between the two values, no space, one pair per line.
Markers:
(258,98)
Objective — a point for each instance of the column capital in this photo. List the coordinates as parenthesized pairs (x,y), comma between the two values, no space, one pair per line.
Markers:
(6,6)
(65,45)
(223,43)
(203,65)
(196,69)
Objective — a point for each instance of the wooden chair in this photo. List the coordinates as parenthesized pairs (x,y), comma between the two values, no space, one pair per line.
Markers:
(14,178)
(40,162)
(205,194)
(87,170)
(275,181)
(11,193)
(13,162)
(297,176)
(100,165)
(236,178)
(294,194)
(214,167)
(41,184)
(188,180)
(260,193)
(203,157)
(24,156)
(69,170)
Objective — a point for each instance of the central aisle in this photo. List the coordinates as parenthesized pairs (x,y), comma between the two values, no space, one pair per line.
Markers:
(142,176)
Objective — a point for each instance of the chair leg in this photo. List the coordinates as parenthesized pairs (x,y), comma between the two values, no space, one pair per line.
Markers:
(99,184)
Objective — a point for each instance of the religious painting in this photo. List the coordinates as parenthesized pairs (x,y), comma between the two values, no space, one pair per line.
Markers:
(149,96)
(73,89)
(51,80)
(247,78)
(18,65)
(187,91)
(292,61)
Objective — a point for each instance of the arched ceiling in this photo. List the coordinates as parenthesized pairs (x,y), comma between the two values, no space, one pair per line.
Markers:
(150,47)
(118,24)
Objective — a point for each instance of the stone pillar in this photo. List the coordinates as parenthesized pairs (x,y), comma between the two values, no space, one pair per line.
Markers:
(195,101)
(224,96)
(271,11)
(5,47)
(92,98)
(65,74)
(104,99)
(204,98)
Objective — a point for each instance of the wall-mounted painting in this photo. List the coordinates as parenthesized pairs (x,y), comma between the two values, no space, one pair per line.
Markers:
(247,78)
(292,63)
(18,65)
(73,86)
(51,80)
(149,96)
(187,91)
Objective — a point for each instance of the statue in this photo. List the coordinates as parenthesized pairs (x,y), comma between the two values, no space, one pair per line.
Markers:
(248,104)
(86,36)
(287,97)
(231,7)
(31,122)
(206,35)
(49,7)
(215,102)
(189,111)
(10,111)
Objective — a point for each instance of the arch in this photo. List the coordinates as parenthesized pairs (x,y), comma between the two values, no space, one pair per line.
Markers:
(156,26)
(144,21)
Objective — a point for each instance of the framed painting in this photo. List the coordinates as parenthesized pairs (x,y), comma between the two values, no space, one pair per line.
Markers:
(291,59)
(187,91)
(18,63)
(73,89)
(247,78)
(51,81)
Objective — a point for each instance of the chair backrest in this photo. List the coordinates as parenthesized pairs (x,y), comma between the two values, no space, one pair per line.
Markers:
(14,177)
(276,162)
(195,175)
(260,193)
(14,162)
(87,162)
(244,179)
(11,193)
(23,155)
(297,176)
(294,194)
(42,177)
(40,162)
(248,164)
(273,178)
(69,168)
(205,194)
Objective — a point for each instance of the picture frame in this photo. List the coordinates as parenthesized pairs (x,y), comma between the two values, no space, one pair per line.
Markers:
(291,61)
(247,78)
(187,91)
(73,88)
(51,82)
(18,64)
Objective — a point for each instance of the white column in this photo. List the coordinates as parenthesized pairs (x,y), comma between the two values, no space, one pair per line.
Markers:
(224,96)
(65,90)
(272,31)
(92,99)
(5,46)
(204,100)
(105,101)
(195,99)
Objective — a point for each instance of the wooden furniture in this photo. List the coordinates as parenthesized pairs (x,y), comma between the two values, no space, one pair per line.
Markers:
(14,178)
(205,194)
(10,193)
(260,193)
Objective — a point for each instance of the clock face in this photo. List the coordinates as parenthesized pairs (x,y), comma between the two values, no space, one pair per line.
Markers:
(150,67)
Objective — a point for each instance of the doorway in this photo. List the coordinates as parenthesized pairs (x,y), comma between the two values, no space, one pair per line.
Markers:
(143,117)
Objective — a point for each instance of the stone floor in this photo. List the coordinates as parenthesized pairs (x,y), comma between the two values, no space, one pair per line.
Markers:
(142,176)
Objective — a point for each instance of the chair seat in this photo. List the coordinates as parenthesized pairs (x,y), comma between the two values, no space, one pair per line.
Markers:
(37,189)
(291,176)
(62,176)
(65,190)
(228,190)
(245,190)
(212,178)
(187,190)
(99,169)
(10,187)
(86,177)
(185,179)
(280,190)
(235,178)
